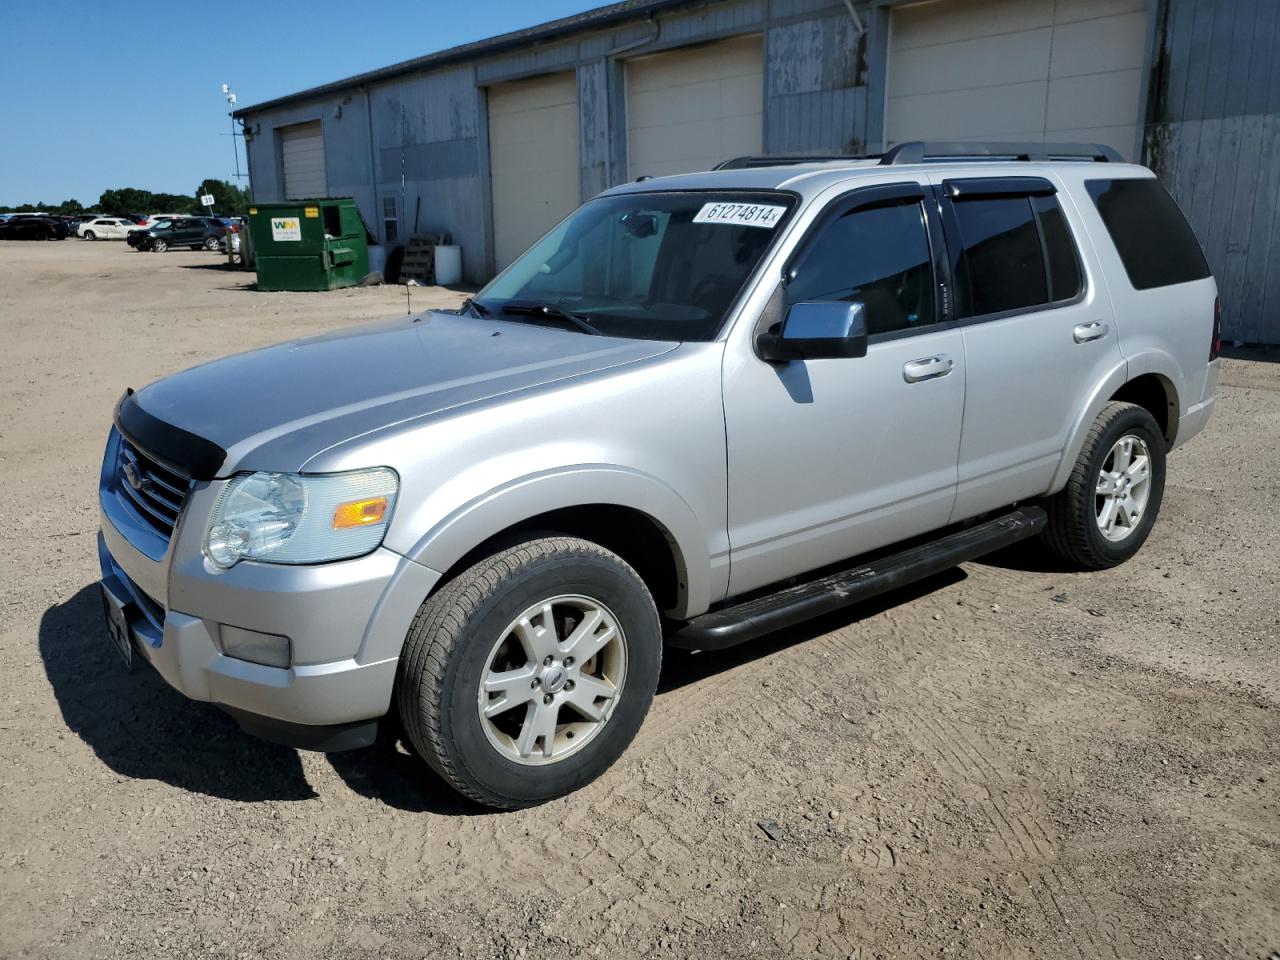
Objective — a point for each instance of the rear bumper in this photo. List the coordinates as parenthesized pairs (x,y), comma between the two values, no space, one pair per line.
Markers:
(1194,419)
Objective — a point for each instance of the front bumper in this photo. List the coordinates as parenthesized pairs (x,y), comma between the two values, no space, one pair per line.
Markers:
(345,621)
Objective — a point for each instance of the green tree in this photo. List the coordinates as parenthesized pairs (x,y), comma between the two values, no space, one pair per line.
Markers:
(229,200)
(125,200)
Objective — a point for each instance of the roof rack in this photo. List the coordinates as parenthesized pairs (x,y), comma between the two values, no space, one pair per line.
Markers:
(920,151)
(745,163)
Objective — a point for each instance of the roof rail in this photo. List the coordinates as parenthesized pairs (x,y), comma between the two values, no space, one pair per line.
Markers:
(745,163)
(920,151)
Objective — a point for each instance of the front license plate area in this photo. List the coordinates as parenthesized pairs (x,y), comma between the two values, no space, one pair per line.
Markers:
(118,627)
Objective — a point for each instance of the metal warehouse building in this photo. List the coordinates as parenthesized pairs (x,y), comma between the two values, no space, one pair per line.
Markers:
(494,141)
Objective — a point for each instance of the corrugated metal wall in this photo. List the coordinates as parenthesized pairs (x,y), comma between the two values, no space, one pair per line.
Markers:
(1213,136)
(424,140)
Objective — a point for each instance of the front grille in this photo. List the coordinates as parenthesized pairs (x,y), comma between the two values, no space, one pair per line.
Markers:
(156,493)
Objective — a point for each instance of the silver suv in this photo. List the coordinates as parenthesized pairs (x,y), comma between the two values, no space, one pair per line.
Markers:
(701,408)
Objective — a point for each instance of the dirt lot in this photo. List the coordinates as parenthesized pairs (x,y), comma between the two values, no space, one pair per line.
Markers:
(1007,761)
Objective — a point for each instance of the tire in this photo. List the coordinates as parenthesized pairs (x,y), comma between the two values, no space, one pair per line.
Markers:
(211,243)
(1078,521)
(471,630)
(90,235)
(159,246)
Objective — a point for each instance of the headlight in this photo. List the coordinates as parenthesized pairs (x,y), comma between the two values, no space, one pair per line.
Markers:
(293,518)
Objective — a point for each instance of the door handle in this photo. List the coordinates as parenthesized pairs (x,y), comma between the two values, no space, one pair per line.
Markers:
(1084,332)
(927,368)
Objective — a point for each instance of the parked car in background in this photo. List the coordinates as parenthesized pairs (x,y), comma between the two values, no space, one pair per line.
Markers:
(193,232)
(135,236)
(104,228)
(231,239)
(155,218)
(26,227)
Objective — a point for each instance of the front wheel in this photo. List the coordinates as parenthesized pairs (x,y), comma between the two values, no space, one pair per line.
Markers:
(528,675)
(159,246)
(1107,509)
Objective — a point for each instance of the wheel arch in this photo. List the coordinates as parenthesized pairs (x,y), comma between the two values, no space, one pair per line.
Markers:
(1157,394)
(636,516)
(1146,383)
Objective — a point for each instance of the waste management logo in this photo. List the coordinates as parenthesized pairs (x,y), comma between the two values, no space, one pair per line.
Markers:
(286,228)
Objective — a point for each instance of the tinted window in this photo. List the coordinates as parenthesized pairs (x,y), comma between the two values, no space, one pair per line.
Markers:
(1065,281)
(878,255)
(1154,240)
(1001,264)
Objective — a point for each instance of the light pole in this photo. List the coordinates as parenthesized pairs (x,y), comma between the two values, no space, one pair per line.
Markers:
(231,102)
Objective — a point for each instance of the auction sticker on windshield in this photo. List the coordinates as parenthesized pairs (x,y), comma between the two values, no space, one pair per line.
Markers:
(285,228)
(764,215)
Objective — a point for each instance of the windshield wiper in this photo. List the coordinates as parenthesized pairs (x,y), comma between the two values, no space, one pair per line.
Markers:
(551,312)
(479,309)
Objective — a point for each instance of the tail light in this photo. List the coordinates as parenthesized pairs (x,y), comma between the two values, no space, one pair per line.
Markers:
(1215,347)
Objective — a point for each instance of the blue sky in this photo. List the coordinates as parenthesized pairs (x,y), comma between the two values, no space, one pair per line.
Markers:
(99,95)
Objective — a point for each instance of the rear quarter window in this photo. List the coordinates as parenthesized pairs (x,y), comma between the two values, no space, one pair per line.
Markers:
(1154,240)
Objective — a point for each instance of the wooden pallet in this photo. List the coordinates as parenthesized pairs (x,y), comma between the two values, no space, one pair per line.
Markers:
(420,258)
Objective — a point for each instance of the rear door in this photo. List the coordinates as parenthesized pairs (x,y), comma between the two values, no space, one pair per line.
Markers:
(1038,329)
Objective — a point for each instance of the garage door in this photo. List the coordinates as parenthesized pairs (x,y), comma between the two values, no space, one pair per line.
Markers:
(533,159)
(691,109)
(302,150)
(1016,70)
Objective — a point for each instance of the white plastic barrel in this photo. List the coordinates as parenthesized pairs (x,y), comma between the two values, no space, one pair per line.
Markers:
(377,258)
(448,264)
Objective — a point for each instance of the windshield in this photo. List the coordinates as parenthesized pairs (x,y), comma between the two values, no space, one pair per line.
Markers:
(653,266)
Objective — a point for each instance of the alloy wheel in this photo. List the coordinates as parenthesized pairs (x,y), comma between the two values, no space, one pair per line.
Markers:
(552,679)
(1123,488)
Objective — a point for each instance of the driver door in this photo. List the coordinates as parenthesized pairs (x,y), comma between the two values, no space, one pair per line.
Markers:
(831,458)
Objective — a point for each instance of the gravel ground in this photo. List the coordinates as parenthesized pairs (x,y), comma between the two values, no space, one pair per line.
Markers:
(1008,761)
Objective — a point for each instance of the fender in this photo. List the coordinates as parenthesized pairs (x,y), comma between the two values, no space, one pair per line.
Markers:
(700,578)
(1116,378)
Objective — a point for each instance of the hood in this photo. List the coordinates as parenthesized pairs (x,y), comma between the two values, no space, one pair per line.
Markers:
(275,408)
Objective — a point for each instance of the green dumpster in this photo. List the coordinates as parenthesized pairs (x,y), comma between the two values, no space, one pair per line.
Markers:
(309,244)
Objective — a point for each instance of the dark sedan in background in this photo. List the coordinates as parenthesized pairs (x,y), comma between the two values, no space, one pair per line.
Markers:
(193,232)
(22,227)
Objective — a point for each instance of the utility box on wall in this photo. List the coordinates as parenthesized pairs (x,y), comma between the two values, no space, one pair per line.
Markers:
(309,244)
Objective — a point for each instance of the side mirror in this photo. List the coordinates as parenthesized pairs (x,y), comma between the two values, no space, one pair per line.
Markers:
(818,331)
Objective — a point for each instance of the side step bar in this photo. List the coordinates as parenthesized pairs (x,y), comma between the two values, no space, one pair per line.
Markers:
(729,626)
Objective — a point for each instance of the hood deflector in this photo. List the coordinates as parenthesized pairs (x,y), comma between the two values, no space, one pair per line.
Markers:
(172,447)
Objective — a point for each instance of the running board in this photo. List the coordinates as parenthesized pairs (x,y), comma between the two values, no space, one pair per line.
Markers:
(744,621)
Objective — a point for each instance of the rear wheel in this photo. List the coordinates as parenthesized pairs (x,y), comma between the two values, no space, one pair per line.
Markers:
(1110,503)
(90,235)
(527,676)
(211,243)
